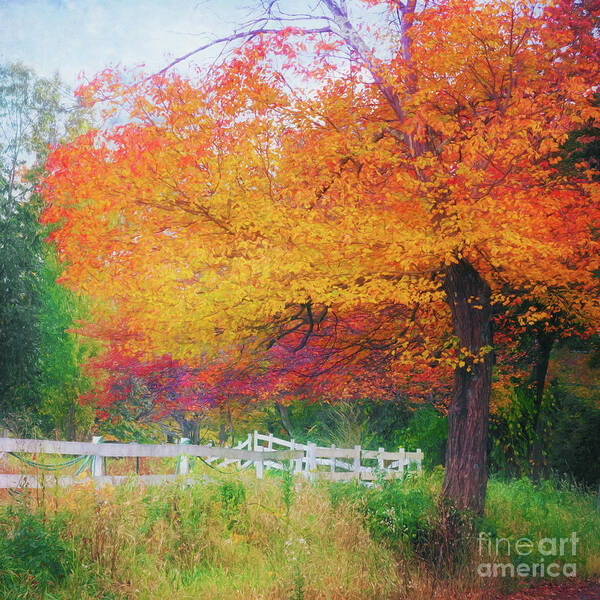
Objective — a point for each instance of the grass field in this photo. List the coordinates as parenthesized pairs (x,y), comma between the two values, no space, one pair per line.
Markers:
(281,538)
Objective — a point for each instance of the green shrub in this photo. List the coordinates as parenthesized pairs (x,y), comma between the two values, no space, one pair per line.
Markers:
(233,494)
(444,538)
(570,437)
(573,444)
(396,513)
(33,553)
(369,422)
(426,429)
(408,516)
(512,431)
(233,499)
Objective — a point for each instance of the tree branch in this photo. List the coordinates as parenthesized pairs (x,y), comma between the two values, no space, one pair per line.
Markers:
(247,35)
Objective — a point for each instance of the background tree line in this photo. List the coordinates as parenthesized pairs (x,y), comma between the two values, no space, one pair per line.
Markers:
(40,359)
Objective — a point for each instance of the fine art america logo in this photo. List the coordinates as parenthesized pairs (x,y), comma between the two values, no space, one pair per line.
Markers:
(547,557)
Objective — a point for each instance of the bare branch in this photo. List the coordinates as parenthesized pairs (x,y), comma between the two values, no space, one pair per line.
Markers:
(247,35)
(356,43)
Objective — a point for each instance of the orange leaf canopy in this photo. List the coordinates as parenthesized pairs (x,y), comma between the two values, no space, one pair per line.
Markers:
(290,178)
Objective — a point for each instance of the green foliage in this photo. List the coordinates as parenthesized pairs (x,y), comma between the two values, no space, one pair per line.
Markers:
(553,509)
(387,418)
(233,499)
(48,371)
(407,515)
(33,115)
(426,429)
(303,416)
(60,380)
(370,423)
(573,444)
(287,488)
(38,358)
(570,426)
(221,539)
(33,553)
(396,513)
(20,302)
(512,431)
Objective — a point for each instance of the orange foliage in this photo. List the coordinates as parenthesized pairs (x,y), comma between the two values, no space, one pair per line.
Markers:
(225,206)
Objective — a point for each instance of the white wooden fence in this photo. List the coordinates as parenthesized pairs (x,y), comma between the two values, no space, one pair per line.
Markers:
(260,451)
(339,464)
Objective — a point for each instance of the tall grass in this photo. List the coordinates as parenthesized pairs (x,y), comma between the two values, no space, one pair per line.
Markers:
(279,539)
(554,509)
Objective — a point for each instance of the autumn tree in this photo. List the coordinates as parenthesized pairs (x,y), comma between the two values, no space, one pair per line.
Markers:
(290,188)
(341,358)
(528,334)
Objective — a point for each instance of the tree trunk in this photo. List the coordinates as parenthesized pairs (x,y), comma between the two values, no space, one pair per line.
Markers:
(195,431)
(465,480)
(545,342)
(285,418)
(230,424)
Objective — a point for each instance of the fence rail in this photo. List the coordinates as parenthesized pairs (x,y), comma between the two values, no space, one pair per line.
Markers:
(134,450)
(257,450)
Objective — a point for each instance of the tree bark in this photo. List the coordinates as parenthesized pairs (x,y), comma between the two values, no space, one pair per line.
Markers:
(230,424)
(545,341)
(465,480)
(285,418)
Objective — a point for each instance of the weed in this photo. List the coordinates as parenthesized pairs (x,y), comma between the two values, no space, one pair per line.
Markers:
(33,552)
(233,499)
(243,538)
(287,488)
(445,538)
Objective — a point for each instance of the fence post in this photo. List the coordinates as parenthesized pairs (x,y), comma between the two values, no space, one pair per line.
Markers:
(248,444)
(357,462)
(380,458)
(183,464)
(419,459)
(259,464)
(270,442)
(3,433)
(311,461)
(97,460)
(401,460)
(333,459)
(297,461)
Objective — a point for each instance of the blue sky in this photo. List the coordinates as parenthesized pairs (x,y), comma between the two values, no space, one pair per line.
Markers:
(71,36)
